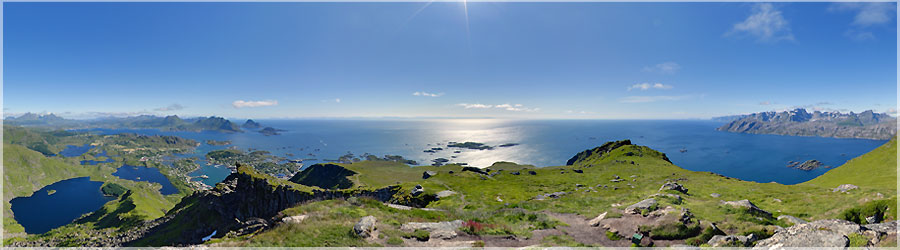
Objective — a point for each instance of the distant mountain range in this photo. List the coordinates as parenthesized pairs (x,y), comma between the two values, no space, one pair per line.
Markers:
(866,125)
(168,123)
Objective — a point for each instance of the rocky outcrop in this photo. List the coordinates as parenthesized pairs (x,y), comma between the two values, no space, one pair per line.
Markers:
(327,176)
(731,240)
(294,219)
(673,186)
(642,207)
(791,219)
(428,174)
(746,204)
(822,233)
(440,230)
(844,188)
(867,125)
(598,151)
(365,228)
(596,220)
(417,190)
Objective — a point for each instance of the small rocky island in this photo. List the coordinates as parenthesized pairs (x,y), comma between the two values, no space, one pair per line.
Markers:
(270,131)
(807,165)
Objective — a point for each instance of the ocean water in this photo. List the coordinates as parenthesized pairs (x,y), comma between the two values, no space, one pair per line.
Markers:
(42,212)
(759,158)
(141,173)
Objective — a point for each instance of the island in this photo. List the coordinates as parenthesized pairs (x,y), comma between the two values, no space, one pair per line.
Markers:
(218,143)
(250,124)
(799,122)
(469,145)
(270,131)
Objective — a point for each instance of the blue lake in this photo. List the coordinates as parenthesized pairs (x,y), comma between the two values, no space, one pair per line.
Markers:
(42,212)
(73,151)
(141,173)
(760,158)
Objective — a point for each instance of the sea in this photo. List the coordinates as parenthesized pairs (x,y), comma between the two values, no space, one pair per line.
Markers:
(690,144)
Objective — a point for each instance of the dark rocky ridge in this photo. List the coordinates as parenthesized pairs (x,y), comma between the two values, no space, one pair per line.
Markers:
(799,122)
(599,151)
(327,176)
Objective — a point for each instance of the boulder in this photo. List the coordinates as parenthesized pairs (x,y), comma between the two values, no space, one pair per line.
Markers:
(577,171)
(532,173)
(294,219)
(748,205)
(474,170)
(886,227)
(645,205)
(445,193)
(844,188)
(442,230)
(428,174)
(416,191)
(731,240)
(250,226)
(791,219)
(596,221)
(365,228)
(515,173)
(822,233)
(675,198)
(553,195)
(715,195)
(673,186)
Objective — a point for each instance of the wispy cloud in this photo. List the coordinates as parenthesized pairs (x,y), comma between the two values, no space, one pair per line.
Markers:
(867,14)
(646,99)
(765,23)
(253,104)
(646,86)
(765,103)
(581,112)
(422,93)
(891,111)
(665,68)
(337,100)
(506,106)
(173,107)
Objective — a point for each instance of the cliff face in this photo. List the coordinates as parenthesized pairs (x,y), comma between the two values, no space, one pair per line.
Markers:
(327,176)
(242,200)
(866,125)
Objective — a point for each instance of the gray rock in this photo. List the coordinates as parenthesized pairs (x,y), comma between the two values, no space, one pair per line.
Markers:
(596,221)
(445,193)
(294,219)
(428,174)
(715,195)
(871,219)
(250,226)
(514,173)
(365,228)
(443,230)
(748,205)
(885,227)
(731,240)
(577,171)
(532,173)
(822,233)
(844,188)
(553,195)
(791,219)
(644,205)
(673,186)
(675,197)
(417,190)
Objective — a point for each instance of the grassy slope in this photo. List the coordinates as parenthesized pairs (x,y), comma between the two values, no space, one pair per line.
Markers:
(876,170)
(518,213)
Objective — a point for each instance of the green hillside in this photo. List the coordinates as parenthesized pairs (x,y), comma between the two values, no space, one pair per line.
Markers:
(876,169)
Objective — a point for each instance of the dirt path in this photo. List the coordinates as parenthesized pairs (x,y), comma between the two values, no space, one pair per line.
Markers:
(584,233)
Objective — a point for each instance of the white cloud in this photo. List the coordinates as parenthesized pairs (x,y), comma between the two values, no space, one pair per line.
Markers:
(417,93)
(892,111)
(505,106)
(666,68)
(646,86)
(172,107)
(868,13)
(253,104)
(645,99)
(765,23)
(337,100)
(582,112)
(766,103)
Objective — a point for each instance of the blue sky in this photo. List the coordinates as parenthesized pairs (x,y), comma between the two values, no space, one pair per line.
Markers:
(505,60)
